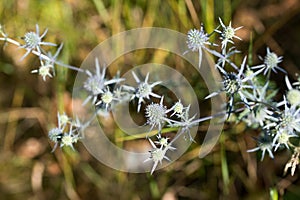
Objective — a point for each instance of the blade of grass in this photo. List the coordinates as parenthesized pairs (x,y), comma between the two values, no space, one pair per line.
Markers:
(250,50)
(116,24)
(207,8)
(102,11)
(273,194)
(144,135)
(150,15)
(224,167)
(92,175)
(69,178)
(180,11)
(227,11)
(153,187)
(193,13)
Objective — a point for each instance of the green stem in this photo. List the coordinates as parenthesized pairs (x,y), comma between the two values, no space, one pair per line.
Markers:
(224,166)
(153,187)
(146,134)
(250,50)
(227,10)
(207,7)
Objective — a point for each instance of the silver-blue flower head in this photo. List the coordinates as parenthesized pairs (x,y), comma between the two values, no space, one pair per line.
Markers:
(197,39)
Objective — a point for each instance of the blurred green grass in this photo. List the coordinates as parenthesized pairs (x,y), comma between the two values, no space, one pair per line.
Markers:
(28,106)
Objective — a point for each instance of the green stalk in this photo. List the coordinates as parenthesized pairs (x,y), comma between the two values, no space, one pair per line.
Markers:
(208,17)
(61,77)
(273,194)
(224,167)
(144,135)
(102,11)
(250,50)
(60,87)
(153,187)
(226,11)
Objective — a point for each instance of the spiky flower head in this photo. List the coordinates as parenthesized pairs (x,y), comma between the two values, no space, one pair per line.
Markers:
(290,118)
(163,142)
(96,83)
(231,83)
(70,138)
(143,91)
(235,84)
(293,96)
(282,138)
(156,114)
(107,97)
(32,40)
(227,34)
(177,108)
(157,155)
(55,134)
(44,70)
(197,39)
(63,119)
(265,144)
(271,60)
(67,140)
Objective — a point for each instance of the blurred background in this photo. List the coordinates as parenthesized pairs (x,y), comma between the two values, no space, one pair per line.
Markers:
(28,106)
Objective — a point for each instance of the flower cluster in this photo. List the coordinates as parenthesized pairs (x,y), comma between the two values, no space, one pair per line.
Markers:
(251,99)
(33,43)
(250,96)
(159,150)
(66,133)
(98,87)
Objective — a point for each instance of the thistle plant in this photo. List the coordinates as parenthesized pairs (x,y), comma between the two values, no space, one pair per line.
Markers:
(156,114)
(143,90)
(235,85)
(158,154)
(33,41)
(264,144)
(198,40)
(271,61)
(252,101)
(227,35)
(97,84)
(293,94)
(65,134)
